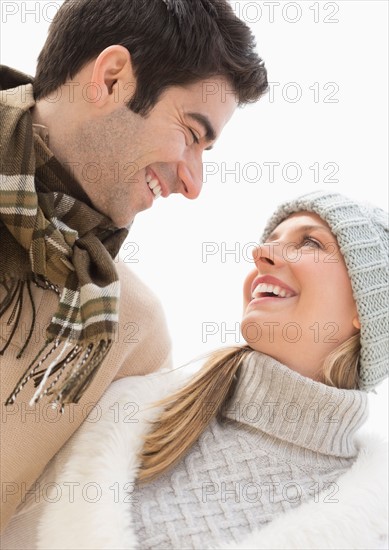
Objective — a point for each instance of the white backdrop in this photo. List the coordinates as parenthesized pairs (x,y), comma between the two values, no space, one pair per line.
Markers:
(323,125)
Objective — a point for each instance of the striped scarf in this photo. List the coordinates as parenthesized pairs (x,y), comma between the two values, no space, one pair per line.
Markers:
(51,236)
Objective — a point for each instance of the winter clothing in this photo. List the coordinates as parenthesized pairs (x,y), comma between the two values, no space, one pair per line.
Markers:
(362,234)
(52,236)
(32,435)
(283,437)
(345,509)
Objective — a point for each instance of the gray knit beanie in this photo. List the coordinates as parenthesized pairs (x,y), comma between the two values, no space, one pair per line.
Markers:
(362,234)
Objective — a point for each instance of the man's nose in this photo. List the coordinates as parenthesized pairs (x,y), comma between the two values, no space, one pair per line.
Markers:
(191,176)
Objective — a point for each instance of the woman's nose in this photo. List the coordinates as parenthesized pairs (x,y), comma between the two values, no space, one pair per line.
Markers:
(265,253)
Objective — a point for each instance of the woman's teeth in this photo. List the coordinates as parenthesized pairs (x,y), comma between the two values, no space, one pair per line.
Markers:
(270,289)
(154,186)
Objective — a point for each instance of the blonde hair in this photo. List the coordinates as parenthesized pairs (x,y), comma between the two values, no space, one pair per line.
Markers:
(341,366)
(188,411)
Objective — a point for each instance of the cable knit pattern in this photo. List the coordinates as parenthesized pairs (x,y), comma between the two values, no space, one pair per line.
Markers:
(363,237)
(281,440)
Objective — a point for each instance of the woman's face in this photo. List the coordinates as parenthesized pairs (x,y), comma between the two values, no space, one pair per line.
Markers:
(298,302)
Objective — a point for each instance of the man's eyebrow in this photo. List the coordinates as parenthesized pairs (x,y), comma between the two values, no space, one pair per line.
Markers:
(210,133)
(274,234)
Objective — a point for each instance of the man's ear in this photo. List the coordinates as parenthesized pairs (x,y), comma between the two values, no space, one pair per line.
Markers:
(112,79)
(356,322)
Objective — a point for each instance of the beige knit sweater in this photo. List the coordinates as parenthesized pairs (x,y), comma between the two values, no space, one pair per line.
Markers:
(31,436)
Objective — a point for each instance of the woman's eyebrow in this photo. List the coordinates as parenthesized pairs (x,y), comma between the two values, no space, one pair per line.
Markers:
(274,234)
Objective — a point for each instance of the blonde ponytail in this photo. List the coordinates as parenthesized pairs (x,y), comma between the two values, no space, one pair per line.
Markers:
(188,412)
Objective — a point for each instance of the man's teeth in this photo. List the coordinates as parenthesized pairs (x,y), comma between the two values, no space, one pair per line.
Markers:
(154,186)
(273,289)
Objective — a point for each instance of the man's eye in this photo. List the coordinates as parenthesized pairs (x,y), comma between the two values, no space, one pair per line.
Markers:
(195,138)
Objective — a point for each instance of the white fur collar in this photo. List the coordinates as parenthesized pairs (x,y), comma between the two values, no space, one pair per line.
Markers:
(104,455)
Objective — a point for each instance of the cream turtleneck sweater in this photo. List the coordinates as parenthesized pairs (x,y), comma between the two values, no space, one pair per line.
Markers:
(281,440)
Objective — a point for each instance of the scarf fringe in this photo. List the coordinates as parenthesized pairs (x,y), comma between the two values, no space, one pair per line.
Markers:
(15,291)
(15,294)
(82,371)
(82,361)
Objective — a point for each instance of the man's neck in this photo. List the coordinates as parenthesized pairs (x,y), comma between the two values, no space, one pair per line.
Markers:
(53,117)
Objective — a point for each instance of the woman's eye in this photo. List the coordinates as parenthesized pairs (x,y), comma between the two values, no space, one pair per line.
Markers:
(309,241)
(195,138)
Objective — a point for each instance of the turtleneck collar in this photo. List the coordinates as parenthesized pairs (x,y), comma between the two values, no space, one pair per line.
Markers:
(273,399)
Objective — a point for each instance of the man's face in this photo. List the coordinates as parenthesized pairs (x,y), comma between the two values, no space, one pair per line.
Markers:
(162,151)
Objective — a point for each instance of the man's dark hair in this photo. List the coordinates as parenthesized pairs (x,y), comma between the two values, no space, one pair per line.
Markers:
(171,42)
